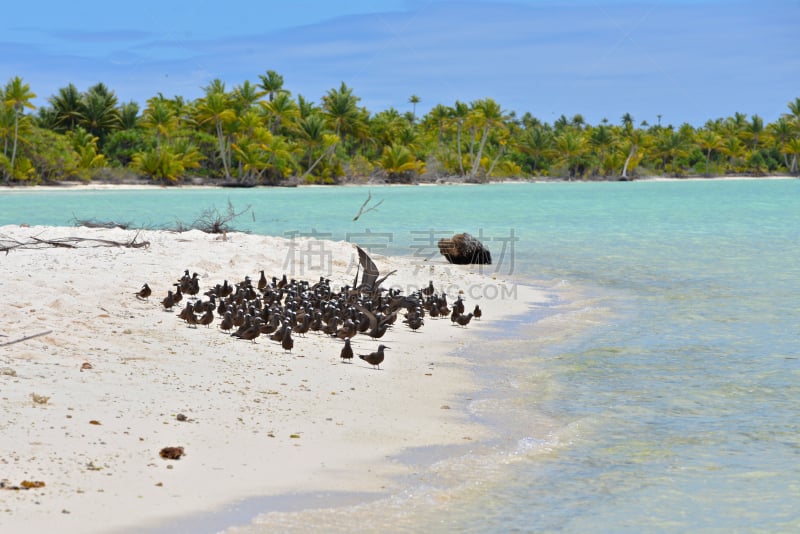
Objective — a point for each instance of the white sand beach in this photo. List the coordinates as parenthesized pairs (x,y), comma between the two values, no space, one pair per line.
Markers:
(259,421)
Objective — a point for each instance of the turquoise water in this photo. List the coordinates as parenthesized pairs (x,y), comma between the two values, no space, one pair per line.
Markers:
(657,391)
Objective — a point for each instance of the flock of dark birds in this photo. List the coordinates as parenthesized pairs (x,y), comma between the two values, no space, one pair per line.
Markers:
(283,309)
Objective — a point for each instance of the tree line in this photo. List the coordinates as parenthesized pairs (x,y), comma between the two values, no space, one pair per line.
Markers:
(259,133)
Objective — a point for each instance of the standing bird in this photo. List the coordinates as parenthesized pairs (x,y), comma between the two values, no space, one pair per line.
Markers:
(207,318)
(169,301)
(428,291)
(227,322)
(415,323)
(459,305)
(374,358)
(144,293)
(464,320)
(287,342)
(262,282)
(178,296)
(477,312)
(347,351)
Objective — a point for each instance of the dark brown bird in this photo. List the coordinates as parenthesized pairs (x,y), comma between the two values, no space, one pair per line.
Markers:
(463,320)
(347,330)
(169,301)
(459,305)
(227,322)
(144,293)
(428,291)
(347,352)
(303,325)
(178,295)
(455,315)
(186,311)
(193,287)
(477,312)
(374,358)
(251,332)
(277,335)
(415,323)
(191,318)
(287,342)
(262,281)
(207,318)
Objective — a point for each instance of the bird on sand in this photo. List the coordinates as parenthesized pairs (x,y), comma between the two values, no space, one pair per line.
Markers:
(227,322)
(249,333)
(374,358)
(477,312)
(463,320)
(145,292)
(428,291)
(287,342)
(207,318)
(347,351)
(415,323)
(169,301)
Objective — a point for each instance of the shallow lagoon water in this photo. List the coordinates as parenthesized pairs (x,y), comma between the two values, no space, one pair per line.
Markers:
(658,388)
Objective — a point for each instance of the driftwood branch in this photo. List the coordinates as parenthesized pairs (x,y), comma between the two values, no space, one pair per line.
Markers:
(7,244)
(94,223)
(363,209)
(26,338)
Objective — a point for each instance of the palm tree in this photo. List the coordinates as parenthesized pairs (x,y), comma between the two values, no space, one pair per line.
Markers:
(386,127)
(793,149)
(459,116)
(754,130)
(282,112)
(398,161)
(244,96)
(781,131)
(488,114)
(708,140)
(340,108)
(306,107)
(160,117)
(414,100)
(100,113)
(68,106)
(627,121)
(634,138)
(215,109)
(794,118)
(438,115)
(601,139)
(128,115)
(672,145)
(571,149)
(16,97)
(735,150)
(311,132)
(538,143)
(272,83)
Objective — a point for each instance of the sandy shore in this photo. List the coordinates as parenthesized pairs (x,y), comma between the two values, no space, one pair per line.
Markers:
(259,422)
(100,186)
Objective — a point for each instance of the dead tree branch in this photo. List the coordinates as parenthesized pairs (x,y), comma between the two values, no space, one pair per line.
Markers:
(26,338)
(362,210)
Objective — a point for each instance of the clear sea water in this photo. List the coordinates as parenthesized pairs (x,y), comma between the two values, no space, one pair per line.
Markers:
(658,390)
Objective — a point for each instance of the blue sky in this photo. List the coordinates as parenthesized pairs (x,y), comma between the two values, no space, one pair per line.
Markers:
(687,61)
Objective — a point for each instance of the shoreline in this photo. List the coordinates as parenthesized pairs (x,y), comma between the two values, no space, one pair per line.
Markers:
(261,423)
(105,186)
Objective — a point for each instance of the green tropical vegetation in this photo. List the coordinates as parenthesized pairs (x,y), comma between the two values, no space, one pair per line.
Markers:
(261,134)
